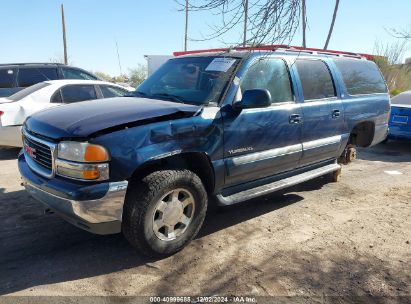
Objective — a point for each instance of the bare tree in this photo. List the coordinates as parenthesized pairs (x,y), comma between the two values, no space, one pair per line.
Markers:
(401,34)
(337,2)
(304,21)
(390,56)
(266,21)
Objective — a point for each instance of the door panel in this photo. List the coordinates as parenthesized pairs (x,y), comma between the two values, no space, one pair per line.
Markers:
(321,130)
(261,142)
(322,110)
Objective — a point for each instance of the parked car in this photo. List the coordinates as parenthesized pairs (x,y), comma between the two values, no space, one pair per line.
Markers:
(400,118)
(233,125)
(17,107)
(17,76)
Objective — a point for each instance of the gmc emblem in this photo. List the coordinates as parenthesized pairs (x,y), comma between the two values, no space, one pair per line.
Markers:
(29,150)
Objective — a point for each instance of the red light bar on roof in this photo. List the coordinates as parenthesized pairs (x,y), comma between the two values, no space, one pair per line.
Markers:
(277,47)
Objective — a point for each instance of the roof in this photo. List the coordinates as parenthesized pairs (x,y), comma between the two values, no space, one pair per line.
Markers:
(403,98)
(29,63)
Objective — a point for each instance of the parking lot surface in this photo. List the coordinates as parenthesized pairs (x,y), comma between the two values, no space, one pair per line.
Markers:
(318,238)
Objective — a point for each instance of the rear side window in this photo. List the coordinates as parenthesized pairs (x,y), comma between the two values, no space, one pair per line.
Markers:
(315,79)
(270,74)
(361,76)
(75,93)
(111,91)
(70,73)
(29,76)
(7,78)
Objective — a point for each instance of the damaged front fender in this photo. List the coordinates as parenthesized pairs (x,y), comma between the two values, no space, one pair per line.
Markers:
(132,147)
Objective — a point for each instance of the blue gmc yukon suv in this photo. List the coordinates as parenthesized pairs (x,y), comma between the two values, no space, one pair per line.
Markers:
(229,125)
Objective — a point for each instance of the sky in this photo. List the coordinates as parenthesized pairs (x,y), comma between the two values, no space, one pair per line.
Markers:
(30,30)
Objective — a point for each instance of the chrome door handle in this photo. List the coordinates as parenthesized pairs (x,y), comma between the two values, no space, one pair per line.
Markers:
(295,119)
(335,113)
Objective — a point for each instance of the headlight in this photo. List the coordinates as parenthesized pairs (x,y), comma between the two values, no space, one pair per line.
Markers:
(82,161)
(82,152)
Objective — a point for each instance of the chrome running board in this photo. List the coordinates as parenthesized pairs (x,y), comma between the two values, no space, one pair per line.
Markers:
(275,186)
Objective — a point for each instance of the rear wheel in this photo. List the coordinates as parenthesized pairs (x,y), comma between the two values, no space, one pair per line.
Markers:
(164,211)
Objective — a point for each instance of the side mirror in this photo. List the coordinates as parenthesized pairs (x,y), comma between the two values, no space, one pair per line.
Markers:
(255,98)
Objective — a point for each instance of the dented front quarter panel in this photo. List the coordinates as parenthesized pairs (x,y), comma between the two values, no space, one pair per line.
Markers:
(131,148)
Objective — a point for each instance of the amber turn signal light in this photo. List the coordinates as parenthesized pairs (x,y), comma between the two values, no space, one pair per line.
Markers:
(95,153)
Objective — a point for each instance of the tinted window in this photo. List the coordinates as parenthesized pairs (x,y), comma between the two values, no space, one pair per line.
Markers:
(315,79)
(361,76)
(7,78)
(56,98)
(111,91)
(29,76)
(27,91)
(270,74)
(69,73)
(75,93)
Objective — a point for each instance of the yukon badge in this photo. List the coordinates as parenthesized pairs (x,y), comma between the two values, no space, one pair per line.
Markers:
(240,150)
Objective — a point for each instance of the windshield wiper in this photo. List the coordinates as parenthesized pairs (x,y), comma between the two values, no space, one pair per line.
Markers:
(170,96)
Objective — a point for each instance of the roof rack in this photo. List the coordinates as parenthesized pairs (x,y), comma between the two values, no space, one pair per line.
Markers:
(281,47)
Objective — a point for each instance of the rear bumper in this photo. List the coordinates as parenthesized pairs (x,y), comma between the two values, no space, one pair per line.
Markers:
(10,136)
(397,132)
(81,205)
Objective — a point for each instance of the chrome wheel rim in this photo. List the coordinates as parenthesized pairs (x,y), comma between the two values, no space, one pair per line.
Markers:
(173,214)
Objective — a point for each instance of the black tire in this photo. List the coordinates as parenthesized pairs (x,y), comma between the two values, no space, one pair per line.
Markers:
(335,176)
(142,196)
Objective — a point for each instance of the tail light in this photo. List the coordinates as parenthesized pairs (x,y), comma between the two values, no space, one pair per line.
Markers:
(1,113)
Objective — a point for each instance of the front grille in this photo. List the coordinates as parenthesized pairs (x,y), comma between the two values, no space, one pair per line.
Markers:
(39,153)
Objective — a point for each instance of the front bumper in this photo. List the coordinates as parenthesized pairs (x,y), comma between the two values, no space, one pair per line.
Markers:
(96,208)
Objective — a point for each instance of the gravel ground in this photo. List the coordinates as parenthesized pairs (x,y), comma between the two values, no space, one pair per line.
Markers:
(350,238)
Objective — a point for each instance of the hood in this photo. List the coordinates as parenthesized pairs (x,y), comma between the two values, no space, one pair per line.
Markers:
(81,120)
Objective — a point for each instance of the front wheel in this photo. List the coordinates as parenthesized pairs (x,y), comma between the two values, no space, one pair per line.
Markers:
(164,211)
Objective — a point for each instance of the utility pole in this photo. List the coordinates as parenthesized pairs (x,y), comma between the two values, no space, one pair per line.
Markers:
(186,29)
(64,35)
(304,21)
(118,57)
(245,3)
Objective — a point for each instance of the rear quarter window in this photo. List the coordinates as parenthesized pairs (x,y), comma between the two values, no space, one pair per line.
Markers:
(7,78)
(361,77)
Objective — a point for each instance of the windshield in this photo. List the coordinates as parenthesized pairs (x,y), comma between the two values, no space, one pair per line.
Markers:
(193,80)
(27,91)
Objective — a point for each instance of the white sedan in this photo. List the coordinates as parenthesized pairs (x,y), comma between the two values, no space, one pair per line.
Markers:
(17,107)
